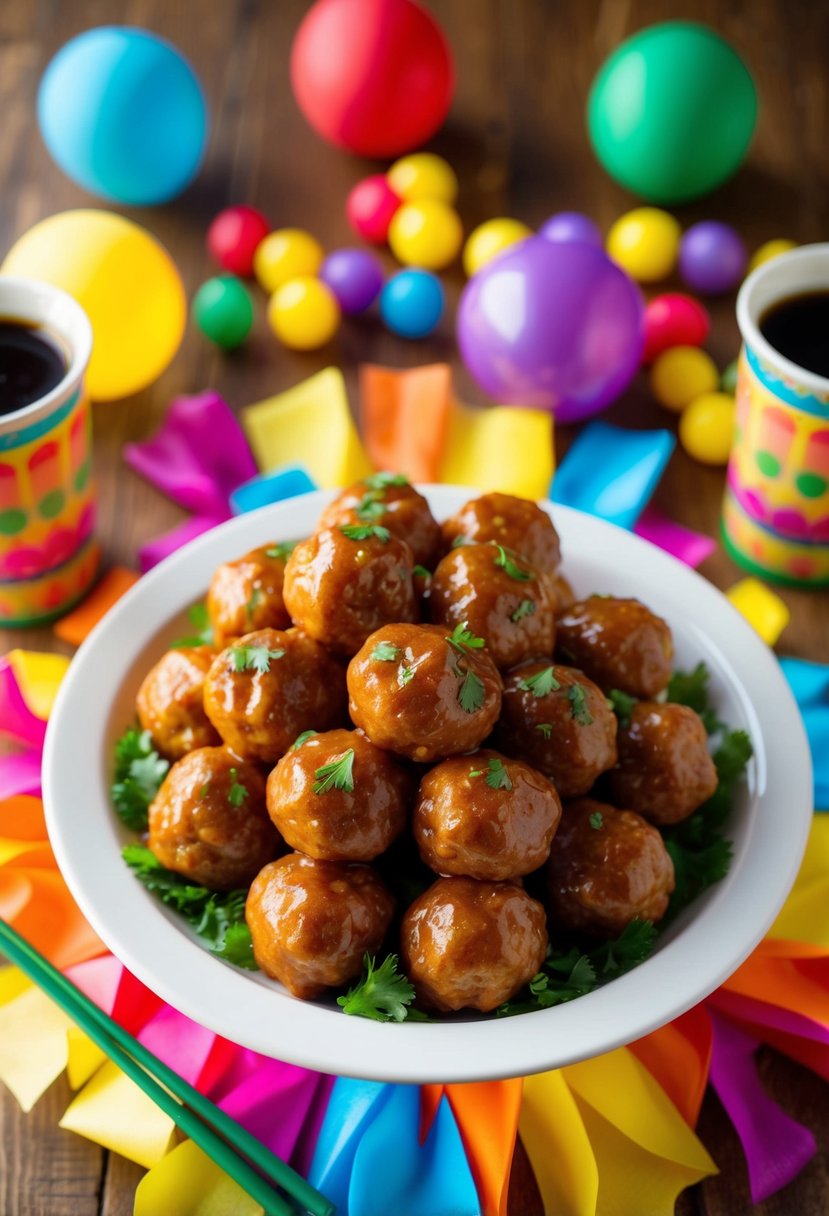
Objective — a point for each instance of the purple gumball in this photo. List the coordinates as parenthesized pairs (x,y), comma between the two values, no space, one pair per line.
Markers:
(712,257)
(571,226)
(552,325)
(355,276)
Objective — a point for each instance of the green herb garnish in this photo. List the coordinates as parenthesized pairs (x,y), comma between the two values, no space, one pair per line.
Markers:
(338,775)
(237,792)
(383,993)
(577,697)
(404,675)
(385,652)
(365,532)
(253,603)
(508,565)
(622,705)
(544,728)
(596,820)
(139,771)
(691,688)
(462,639)
(472,693)
(282,551)
(253,658)
(541,684)
(497,777)
(300,739)
(525,608)
(422,572)
(379,481)
(198,617)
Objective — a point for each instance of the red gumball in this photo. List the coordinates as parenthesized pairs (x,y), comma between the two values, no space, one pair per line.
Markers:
(370,207)
(233,236)
(673,319)
(373,76)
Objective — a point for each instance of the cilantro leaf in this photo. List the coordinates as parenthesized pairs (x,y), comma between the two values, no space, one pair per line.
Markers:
(282,551)
(383,993)
(253,603)
(365,532)
(497,777)
(462,639)
(139,771)
(622,705)
(198,617)
(541,684)
(596,820)
(385,652)
(338,775)
(471,693)
(691,688)
(404,675)
(379,481)
(525,608)
(237,947)
(544,728)
(460,541)
(422,572)
(577,697)
(510,568)
(237,792)
(300,739)
(253,658)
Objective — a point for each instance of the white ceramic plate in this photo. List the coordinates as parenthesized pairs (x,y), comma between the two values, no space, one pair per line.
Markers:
(700,950)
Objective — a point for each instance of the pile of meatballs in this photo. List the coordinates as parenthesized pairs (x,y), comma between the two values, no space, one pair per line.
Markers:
(392,682)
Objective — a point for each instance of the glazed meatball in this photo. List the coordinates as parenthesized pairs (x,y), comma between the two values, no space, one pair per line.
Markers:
(564,593)
(246,595)
(501,596)
(343,583)
(607,867)
(560,722)
(664,771)
(513,522)
(312,921)
(485,816)
(170,702)
(337,797)
(618,643)
(389,499)
(424,691)
(263,691)
(208,820)
(472,945)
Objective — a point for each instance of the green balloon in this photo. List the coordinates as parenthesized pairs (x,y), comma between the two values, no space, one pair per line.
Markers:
(223,310)
(672,111)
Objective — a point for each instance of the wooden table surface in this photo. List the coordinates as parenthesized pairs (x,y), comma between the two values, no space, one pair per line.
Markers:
(516,137)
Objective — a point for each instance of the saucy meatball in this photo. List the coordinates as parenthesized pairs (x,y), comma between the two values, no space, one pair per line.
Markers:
(472,945)
(170,702)
(618,643)
(312,921)
(337,797)
(664,771)
(485,816)
(607,867)
(268,688)
(500,596)
(560,722)
(208,820)
(246,594)
(564,593)
(389,499)
(513,522)
(424,691)
(343,583)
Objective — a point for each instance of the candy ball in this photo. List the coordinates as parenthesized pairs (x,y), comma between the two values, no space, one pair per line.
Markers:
(223,310)
(769,250)
(125,281)
(644,243)
(288,253)
(571,226)
(426,233)
(673,320)
(304,313)
(712,257)
(355,276)
(490,239)
(370,206)
(122,113)
(681,374)
(234,236)
(373,76)
(672,111)
(423,175)
(412,302)
(706,428)
(728,380)
(553,325)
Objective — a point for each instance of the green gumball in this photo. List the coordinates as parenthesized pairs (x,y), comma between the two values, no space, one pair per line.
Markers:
(672,111)
(223,310)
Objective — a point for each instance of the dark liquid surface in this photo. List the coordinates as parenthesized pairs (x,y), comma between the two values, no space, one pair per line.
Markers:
(799,329)
(31,364)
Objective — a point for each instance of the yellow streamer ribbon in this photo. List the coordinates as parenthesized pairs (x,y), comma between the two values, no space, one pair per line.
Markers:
(502,448)
(38,677)
(188,1183)
(558,1146)
(114,1112)
(804,916)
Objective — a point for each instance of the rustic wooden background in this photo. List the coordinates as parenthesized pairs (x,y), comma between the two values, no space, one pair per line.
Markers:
(516,136)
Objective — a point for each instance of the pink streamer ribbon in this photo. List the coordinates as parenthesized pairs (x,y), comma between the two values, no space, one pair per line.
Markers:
(154,551)
(692,548)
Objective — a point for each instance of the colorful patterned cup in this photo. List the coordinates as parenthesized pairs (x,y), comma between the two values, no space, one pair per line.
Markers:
(48,554)
(776,511)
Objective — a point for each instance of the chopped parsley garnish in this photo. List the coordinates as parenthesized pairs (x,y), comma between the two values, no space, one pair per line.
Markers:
(198,617)
(596,820)
(383,993)
(338,775)
(371,507)
(379,481)
(525,608)
(460,541)
(544,728)
(253,603)
(472,693)
(282,551)
(577,697)
(422,572)
(541,684)
(497,777)
(139,771)
(365,532)
(253,658)
(404,675)
(691,688)
(462,639)
(508,565)
(237,792)
(300,739)
(218,917)
(622,704)
(385,652)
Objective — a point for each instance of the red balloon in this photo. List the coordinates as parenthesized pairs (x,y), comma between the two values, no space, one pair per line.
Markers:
(370,207)
(673,319)
(373,76)
(233,236)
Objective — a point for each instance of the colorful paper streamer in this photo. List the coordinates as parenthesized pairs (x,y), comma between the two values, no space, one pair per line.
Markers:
(762,608)
(810,684)
(612,472)
(404,417)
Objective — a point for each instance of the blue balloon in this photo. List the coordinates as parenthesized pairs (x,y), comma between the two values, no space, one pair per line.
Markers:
(412,302)
(123,114)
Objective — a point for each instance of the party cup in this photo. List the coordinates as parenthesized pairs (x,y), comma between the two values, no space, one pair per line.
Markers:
(48,554)
(775,519)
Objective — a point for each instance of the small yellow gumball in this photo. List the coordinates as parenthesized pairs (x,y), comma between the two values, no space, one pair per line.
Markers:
(645,243)
(681,374)
(771,249)
(304,313)
(288,253)
(489,239)
(706,428)
(423,175)
(426,233)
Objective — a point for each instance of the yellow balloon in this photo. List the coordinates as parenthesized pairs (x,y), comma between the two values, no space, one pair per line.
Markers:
(682,373)
(426,233)
(489,239)
(771,249)
(645,243)
(706,428)
(125,281)
(423,175)
(304,313)
(286,254)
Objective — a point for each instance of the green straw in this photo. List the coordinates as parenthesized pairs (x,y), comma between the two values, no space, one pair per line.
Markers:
(214,1131)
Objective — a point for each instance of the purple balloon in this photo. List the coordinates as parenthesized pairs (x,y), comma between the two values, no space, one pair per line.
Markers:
(355,276)
(712,257)
(552,325)
(571,226)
